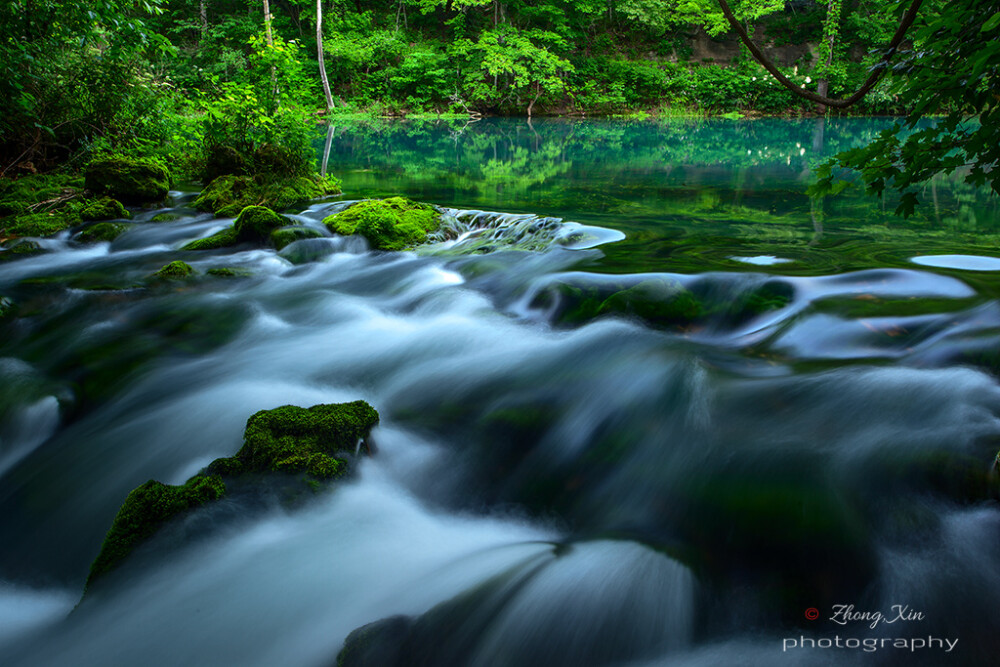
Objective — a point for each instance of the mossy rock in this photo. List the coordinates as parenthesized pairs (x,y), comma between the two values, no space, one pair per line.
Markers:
(132,181)
(164,217)
(282,237)
(658,302)
(145,510)
(287,438)
(19,195)
(102,231)
(104,208)
(20,248)
(387,224)
(40,224)
(176,270)
(227,195)
(255,223)
(222,239)
(228,272)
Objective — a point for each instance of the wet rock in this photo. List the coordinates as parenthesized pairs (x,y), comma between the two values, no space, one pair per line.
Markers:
(176,270)
(387,224)
(19,249)
(102,231)
(256,223)
(104,208)
(305,447)
(222,239)
(282,237)
(132,181)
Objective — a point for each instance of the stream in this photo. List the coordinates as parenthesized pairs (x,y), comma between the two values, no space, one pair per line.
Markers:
(556,482)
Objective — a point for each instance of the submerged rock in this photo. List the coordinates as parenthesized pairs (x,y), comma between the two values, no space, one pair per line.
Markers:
(229,272)
(102,231)
(132,181)
(312,444)
(145,509)
(176,270)
(282,237)
(104,208)
(19,249)
(6,307)
(388,224)
(221,239)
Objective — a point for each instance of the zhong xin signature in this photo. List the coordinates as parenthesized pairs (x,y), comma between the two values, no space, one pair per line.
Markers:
(845,613)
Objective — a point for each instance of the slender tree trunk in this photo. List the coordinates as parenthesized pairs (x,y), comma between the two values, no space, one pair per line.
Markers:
(319,57)
(830,30)
(267,23)
(204,18)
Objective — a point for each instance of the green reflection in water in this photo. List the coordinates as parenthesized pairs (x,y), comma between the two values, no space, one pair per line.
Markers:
(690,194)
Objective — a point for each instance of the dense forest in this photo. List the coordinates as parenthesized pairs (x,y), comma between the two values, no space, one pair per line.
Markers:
(211,87)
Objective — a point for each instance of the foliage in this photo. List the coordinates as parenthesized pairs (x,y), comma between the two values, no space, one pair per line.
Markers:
(966,138)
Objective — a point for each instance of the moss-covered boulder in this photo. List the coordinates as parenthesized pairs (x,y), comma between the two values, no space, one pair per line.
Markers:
(255,223)
(221,239)
(282,237)
(20,248)
(305,446)
(104,208)
(294,439)
(145,510)
(176,270)
(40,224)
(227,195)
(165,217)
(132,181)
(388,224)
(102,231)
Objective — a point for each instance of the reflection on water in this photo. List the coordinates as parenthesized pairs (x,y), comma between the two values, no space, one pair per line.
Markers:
(593,450)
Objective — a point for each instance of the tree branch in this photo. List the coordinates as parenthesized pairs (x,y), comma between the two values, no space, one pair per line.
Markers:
(877,71)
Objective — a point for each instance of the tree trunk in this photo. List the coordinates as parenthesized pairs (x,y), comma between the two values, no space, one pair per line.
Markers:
(326,148)
(267,23)
(319,56)
(204,19)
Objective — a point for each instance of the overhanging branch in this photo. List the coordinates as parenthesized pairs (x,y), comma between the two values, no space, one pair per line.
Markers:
(877,71)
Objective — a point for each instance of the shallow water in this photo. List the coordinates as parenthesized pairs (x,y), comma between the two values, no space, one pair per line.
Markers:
(550,488)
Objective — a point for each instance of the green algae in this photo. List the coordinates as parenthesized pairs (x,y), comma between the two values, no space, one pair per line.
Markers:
(132,181)
(387,224)
(164,217)
(145,510)
(176,270)
(222,239)
(104,208)
(102,231)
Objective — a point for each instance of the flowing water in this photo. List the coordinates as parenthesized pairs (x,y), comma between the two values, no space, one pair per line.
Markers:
(557,481)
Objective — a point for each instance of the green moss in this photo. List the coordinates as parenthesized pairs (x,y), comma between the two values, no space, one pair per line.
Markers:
(133,181)
(227,272)
(388,224)
(255,223)
(145,510)
(40,224)
(223,239)
(176,270)
(287,438)
(658,302)
(164,217)
(102,231)
(19,249)
(104,208)
(282,237)
(227,195)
